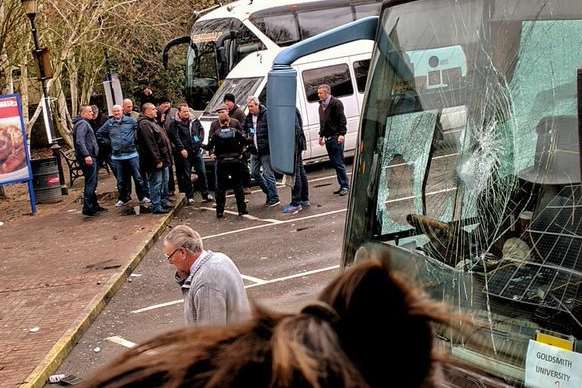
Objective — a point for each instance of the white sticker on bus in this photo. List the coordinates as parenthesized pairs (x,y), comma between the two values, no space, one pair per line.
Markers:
(552,367)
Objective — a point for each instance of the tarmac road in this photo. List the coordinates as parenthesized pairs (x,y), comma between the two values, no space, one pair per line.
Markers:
(285,261)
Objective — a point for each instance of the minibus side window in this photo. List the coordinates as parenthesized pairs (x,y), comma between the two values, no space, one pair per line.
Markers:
(361,72)
(336,76)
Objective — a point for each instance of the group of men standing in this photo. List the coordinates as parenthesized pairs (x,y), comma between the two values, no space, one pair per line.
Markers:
(139,149)
(146,147)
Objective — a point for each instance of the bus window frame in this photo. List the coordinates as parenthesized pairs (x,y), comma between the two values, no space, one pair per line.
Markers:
(307,87)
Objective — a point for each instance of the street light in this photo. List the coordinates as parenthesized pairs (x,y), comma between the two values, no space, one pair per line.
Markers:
(30,7)
(45,73)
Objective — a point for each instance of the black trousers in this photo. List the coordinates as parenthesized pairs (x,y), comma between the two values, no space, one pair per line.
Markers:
(184,174)
(171,181)
(91,174)
(229,172)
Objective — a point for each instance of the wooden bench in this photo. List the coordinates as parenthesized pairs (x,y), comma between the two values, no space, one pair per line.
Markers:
(75,170)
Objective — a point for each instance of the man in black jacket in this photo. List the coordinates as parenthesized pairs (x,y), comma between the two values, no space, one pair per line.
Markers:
(235,112)
(256,128)
(332,132)
(86,151)
(300,190)
(227,143)
(155,149)
(187,135)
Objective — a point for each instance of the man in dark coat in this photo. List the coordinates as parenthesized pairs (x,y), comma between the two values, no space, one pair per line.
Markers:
(155,149)
(165,119)
(86,151)
(332,132)
(227,144)
(104,158)
(256,128)
(300,190)
(187,134)
(235,112)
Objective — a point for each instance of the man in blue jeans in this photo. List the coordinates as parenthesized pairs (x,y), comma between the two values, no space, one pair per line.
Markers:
(155,151)
(256,128)
(86,151)
(332,132)
(119,132)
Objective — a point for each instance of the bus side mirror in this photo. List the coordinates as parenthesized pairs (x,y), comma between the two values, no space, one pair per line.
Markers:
(226,52)
(281,118)
(174,42)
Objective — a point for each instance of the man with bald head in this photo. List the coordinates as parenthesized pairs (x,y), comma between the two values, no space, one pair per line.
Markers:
(86,151)
(128,109)
(120,132)
(155,150)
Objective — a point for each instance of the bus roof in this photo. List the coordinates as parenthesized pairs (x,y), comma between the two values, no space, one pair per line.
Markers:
(242,9)
(259,63)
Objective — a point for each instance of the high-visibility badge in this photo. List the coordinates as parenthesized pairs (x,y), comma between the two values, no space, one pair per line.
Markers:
(548,339)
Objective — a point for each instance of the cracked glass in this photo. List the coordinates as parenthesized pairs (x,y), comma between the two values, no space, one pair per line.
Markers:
(470,160)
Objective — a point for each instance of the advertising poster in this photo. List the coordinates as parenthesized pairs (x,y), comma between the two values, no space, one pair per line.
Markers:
(14,166)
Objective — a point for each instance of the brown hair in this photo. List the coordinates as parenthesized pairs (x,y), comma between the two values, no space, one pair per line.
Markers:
(369,328)
(183,105)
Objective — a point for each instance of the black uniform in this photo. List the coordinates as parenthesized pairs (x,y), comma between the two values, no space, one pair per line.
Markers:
(227,144)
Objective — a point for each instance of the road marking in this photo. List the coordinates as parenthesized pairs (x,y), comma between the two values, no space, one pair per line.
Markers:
(259,283)
(297,275)
(408,163)
(267,225)
(417,196)
(247,216)
(157,306)
(325,178)
(121,341)
(281,184)
(253,279)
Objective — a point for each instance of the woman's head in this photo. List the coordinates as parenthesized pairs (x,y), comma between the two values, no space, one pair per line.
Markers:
(368,328)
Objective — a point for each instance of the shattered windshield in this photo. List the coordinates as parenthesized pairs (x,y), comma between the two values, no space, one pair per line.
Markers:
(240,87)
(471,162)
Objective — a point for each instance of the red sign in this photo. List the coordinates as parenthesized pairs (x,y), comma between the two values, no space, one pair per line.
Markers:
(13,153)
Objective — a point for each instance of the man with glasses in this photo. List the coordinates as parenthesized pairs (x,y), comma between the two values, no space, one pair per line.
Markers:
(214,293)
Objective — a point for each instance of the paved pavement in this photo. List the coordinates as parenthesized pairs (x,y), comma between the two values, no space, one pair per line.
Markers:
(285,260)
(57,270)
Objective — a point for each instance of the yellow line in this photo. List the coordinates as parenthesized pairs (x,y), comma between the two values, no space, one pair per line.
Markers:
(39,376)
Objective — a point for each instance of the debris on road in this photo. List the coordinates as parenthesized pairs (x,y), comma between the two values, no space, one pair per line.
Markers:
(35,329)
(97,349)
(54,379)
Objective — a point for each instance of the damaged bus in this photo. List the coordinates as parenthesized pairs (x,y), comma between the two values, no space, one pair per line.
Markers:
(468,168)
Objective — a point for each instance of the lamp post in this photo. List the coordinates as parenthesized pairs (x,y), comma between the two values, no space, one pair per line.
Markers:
(45,73)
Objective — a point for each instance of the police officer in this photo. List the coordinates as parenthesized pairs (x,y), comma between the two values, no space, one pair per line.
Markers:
(227,143)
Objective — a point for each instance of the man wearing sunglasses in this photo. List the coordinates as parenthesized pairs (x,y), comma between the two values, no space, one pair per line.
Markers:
(213,289)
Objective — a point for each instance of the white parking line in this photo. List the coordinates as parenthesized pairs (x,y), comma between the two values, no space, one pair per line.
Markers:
(258,283)
(157,306)
(247,216)
(416,196)
(253,279)
(267,225)
(297,275)
(281,184)
(121,341)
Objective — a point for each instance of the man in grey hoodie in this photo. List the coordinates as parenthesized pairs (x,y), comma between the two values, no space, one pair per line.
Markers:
(86,151)
(214,292)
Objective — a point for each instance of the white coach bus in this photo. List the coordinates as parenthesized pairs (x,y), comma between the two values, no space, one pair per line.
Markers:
(222,37)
